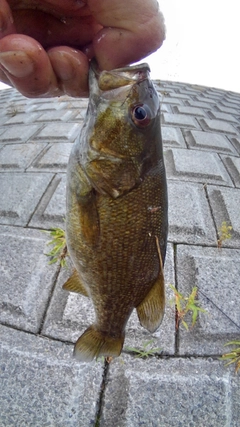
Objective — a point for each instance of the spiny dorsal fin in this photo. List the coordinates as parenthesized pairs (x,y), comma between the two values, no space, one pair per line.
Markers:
(74,284)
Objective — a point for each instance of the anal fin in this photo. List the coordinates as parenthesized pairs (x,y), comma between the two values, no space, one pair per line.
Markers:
(151,310)
(74,284)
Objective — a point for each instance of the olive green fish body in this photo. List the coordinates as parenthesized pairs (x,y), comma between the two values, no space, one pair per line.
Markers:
(116,220)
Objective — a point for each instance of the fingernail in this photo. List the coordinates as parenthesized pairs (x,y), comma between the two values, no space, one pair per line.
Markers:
(62,65)
(16,63)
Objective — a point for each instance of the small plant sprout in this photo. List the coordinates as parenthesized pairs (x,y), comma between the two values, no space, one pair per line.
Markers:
(233,356)
(59,250)
(146,351)
(185,305)
(224,233)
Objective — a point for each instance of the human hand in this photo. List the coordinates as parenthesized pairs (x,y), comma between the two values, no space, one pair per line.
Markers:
(45,46)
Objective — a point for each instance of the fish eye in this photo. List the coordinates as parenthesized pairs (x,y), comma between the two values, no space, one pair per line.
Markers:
(141,115)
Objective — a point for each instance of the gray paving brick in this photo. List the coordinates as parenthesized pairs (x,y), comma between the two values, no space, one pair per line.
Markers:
(225,204)
(233,101)
(16,157)
(57,115)
(233,166)
(199,104)
(230,104)
(165,108)
(196,166)
(223,116)
(19,133)
(53,158)
(209,141)
(42,385)
(172,137)
(173,101)
(215,272)
(22,192)
(44,105)
(217,125)
(227,110)
(59,131)
(26,277)
(51,210)
(193,111)
(236,142)
(21,118)
(180,120)
(70,314)
(170,393)
(189,215)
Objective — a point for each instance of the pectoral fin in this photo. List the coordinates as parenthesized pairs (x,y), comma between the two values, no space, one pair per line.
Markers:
(74,284)
(151,310)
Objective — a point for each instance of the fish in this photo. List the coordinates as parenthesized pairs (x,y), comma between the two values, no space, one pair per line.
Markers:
(116,208)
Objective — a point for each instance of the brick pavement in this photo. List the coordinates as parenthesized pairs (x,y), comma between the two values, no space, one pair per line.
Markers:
(184,383)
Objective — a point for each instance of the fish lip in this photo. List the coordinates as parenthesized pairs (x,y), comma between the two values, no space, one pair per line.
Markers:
(119,77)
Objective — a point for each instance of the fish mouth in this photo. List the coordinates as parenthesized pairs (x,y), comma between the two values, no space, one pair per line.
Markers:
(119,77)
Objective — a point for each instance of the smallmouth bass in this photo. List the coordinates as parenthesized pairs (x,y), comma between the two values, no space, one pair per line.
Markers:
(116,220)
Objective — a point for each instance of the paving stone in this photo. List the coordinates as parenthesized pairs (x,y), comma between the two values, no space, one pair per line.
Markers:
(227,110)
(57,115)
(169,393)
(222,116)
(42,385)
(180,120)
(225,204)
(165,108)
(172,137)
(209,141)
(42,104)
(229,104)
(215,272)
(199,104)
(236,142)
(21,118)
(195,166)
(26,277)
(193,111)
(53,158)
(70,314)
(51,210)
(60,131)
(173,101)
(233,166)
(19,133)
(22,192)
(16,157)
(233,101)
(217,125)
(208,100)
(189,214)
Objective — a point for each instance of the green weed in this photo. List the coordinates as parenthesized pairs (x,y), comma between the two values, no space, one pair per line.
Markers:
(224,233)
(233,356)
(145,351)
(185,305)
(59,250)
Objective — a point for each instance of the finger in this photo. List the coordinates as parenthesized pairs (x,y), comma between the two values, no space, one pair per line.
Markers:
(71,69)
(26,65)
(132,30)
(6,20)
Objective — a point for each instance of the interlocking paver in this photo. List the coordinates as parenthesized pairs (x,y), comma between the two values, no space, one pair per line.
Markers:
(170,393)
(190,219)
(16,157)
(53,158)
(200,166)
(19,133)
(218,125)
(180,120)
(22,192)
(199,104)
(60,131)
(26,277)
(172,136)
(209,141)
(227,110)
(223,116)
(192,111)
(51,210)
(225,204)
(215,272)
(70,314)
(233,166)
(42,385)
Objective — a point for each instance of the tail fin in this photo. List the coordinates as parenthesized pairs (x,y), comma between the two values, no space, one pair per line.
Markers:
(93,343)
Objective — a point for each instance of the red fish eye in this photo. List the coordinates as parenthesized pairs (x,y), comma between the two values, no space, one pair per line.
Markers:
(140,115)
